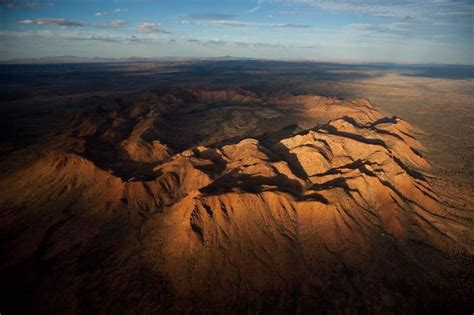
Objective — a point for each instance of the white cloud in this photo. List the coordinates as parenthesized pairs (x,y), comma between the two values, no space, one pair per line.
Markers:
(209,16)
(151,28)
(59,22)
(255,9)
(245,24)
(79,36)
(369,28)
(27,22)
(415,9)
(246,45)
(120,10)
(118,23)
(226,20)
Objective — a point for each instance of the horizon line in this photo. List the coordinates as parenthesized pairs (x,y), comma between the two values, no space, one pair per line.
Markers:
(89,59)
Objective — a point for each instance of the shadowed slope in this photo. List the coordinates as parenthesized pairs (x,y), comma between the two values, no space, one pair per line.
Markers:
(334,217)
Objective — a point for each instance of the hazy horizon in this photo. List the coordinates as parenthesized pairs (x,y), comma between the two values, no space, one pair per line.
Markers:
(58,59)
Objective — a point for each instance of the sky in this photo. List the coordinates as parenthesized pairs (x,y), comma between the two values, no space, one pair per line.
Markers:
(399,31)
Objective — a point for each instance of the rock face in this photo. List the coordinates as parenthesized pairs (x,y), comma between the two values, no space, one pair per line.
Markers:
(167,204)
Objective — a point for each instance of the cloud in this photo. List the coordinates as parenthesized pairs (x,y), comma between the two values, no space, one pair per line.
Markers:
(111,39)
(209,16)
(246,45)
(293,13)
(100,13)
(414,9)
(120,10)
(151,28)
(245,24)
(6,4)
(394,28)
(227,20)
(17,34)
(255,9)
(69,23)
(59,22)
(78,36)
(117,23)
(136,39)
(98,38)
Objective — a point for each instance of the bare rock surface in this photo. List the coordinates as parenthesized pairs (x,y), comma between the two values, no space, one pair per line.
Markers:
(223,200)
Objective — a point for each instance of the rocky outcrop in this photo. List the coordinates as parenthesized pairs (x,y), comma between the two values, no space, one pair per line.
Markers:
(334,217)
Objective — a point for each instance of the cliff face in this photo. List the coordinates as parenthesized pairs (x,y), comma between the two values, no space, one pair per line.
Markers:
(169,204)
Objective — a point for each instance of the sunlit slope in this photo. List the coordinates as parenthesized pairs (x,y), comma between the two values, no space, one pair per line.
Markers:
(232,199)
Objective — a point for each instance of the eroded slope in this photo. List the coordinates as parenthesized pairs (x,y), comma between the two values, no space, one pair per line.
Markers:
(207,200)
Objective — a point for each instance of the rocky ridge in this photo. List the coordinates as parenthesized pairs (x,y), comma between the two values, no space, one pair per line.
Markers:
(327,206)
